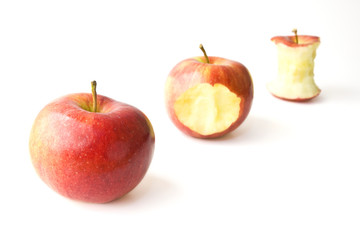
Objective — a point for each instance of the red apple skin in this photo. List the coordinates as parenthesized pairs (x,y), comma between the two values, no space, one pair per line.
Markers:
(193,71)
(87,156)
(296,99)
(304,40)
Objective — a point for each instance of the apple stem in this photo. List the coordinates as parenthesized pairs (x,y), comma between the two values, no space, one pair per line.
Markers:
(203,50)
(296,36)
(94,95)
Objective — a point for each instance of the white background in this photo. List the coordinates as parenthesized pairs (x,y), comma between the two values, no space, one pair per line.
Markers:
(290,171)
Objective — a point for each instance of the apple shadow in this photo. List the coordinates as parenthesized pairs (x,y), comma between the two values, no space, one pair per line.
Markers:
(256,130)
(151,190)
(340,94)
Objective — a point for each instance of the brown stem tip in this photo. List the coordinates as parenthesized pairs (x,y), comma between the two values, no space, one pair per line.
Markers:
(94,95)
(203,50)
(296,36)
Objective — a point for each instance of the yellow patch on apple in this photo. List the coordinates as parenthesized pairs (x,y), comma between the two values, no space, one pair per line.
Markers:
(207,109)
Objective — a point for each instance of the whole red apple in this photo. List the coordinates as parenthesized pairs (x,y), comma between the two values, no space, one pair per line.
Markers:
(90,147)
(208,97)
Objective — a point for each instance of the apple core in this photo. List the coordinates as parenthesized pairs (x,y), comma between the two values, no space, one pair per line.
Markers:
(207,109)
(295,78)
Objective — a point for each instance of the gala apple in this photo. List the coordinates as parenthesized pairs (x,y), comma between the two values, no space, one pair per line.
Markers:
(91,148)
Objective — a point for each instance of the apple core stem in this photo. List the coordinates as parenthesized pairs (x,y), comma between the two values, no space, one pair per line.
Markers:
(296,36)
(203,50)
(94,95)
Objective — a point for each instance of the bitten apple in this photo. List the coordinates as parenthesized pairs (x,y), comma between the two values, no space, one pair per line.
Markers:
(208,97)
(90,147)
(295,77)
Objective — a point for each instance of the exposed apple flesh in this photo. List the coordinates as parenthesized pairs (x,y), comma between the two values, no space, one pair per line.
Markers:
(207,109)
(295,77)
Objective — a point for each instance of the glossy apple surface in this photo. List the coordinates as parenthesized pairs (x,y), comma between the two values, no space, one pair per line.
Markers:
(208,99)
(295,77)
(91,156)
